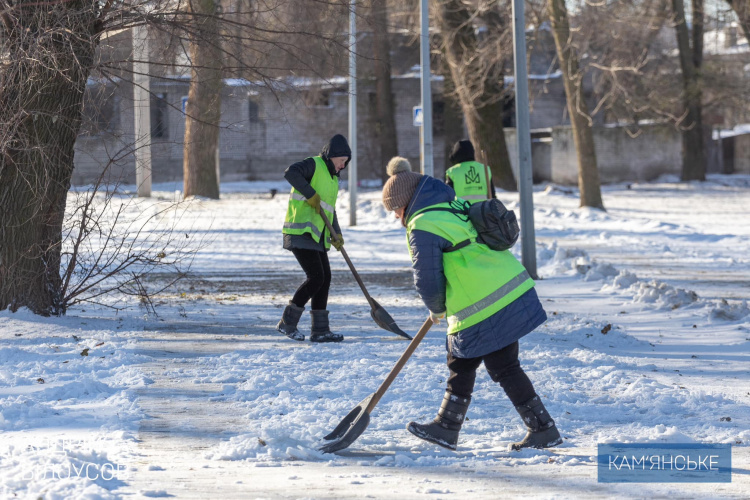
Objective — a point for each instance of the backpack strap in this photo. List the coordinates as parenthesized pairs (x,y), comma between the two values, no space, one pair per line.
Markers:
(459,246)
(462,213)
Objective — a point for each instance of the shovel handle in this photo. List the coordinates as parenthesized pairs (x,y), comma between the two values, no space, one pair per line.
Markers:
(399,365)
(346,258)
(483,159)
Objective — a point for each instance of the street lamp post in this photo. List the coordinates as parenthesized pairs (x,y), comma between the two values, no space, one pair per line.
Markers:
(353,113)
(424,58)
(142,111)
(523,135)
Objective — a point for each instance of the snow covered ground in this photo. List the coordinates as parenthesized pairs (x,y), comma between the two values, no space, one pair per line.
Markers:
(648,340)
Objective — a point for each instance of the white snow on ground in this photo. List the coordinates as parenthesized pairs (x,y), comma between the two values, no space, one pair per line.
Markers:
(648,340)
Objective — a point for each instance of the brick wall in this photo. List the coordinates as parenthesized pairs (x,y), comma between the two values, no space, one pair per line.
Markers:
(656,150)
(620,156)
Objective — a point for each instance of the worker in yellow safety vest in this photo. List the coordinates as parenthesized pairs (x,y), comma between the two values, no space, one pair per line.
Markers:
(315,187)
(470,179)
(486,297)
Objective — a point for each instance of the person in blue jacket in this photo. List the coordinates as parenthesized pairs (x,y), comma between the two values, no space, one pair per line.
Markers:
(451,277)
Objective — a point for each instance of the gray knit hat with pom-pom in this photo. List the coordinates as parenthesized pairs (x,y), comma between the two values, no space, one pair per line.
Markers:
(400,187)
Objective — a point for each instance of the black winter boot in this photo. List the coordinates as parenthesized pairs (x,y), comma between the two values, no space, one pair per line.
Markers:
(320,331)
(443,431)
(542,431)
(289,319)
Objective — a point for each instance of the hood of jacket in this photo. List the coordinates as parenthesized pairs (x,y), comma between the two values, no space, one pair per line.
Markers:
(462,151)
(429,191)
(337,146)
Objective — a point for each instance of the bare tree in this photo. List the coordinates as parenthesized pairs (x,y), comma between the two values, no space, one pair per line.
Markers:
(742,9)
(201,149)
(48,52)
(627,61)
(690,46)
(453,119)
(477,73)
(580,118)
(386,120)
(111,244)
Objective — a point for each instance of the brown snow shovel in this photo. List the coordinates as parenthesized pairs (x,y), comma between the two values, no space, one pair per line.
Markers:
(379,315)
(355,423)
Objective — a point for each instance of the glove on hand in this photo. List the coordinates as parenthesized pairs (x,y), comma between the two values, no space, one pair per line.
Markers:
(436,317)
(314,202)
(338,242)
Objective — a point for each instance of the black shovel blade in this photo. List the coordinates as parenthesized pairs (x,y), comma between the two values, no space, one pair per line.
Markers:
(385,321)
(350,434)
(348,419)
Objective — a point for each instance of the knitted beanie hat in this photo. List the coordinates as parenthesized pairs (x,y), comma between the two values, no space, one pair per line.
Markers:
(400,187)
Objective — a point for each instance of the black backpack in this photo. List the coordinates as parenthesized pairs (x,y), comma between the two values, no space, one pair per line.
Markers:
(496,226)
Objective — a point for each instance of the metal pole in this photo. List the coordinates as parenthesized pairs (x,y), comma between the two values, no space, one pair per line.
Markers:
(523,134)
(142,111)
(424,59)
(353,113)
(217,160)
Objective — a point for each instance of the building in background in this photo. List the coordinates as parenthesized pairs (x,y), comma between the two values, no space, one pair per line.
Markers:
(265,129)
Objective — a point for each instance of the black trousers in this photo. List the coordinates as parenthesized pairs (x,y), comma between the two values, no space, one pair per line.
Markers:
(503,367)
(318,282)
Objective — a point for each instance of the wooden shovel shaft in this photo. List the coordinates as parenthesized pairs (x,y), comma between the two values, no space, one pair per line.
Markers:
(483,159)
(399,365)
(346,258)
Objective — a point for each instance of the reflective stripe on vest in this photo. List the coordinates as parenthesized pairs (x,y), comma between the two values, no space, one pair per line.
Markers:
(301,218)
(303,225)
(301,197)
(490,299)
(469,181)
(479,281)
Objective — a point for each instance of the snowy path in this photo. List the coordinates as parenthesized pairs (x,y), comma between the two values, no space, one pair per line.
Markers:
(189,416)
(182,423)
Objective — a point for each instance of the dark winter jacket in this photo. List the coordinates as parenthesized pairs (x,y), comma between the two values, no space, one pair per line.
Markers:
(300,174)
(501,329)
(463,151)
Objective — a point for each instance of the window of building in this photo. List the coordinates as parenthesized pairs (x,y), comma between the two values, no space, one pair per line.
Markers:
(252,111)
(159,116)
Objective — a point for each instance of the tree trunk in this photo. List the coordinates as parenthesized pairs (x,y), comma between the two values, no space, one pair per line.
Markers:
(742,9)
(486,133)
(693,155)
(483,113)
(386,124)
(588,171)
(49,56)
(204,102)
(453,127)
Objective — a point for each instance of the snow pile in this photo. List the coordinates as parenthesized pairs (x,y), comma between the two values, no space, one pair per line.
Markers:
(729,312)
(66,398)
(662,294)
(264,449)
(555,260)
(63,469)
(657,434)
(624,280)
